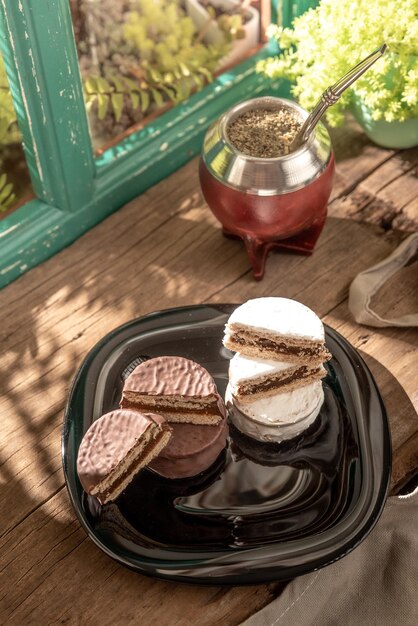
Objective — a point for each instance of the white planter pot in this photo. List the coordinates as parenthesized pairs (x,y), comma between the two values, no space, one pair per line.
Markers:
(214,35)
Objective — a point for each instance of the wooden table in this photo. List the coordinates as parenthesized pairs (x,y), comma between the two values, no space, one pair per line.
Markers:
(164,249)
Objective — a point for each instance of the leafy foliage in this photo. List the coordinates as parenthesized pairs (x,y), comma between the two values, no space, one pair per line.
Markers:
(230,21)
(115,91)
(155,56)
(9,133)
(6,193)
(326,41)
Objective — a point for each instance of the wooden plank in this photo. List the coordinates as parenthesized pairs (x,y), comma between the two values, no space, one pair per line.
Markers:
(163,249)
(356,156)
(378,186)
(395,181)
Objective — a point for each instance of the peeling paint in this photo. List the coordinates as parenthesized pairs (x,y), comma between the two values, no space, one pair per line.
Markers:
(164,146)
(8,230)
(38,89)
(9,267)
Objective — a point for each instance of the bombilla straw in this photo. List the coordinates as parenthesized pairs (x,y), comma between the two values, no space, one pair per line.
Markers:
(332,94)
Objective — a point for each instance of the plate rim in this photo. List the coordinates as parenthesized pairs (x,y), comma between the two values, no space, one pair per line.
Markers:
(142,565)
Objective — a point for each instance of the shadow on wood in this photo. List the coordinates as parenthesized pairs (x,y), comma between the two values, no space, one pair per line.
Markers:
(400,410)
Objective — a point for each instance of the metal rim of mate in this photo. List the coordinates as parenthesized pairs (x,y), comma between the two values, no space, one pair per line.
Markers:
(265,176)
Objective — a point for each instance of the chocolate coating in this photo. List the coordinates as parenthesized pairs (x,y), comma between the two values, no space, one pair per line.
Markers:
(108,441)
(191,449)
(171,376)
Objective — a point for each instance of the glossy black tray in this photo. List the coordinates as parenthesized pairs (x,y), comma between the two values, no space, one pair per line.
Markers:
(261,512)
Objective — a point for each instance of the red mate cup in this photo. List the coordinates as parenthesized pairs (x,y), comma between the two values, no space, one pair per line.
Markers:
(278,202)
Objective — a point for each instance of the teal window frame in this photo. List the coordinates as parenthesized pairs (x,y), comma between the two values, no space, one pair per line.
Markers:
(74,189)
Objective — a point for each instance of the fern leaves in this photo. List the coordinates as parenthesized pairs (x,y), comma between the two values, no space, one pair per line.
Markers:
(112,94)
(8,134)
(7,197)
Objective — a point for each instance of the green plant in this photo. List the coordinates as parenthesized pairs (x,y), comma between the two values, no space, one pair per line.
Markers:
(231,21)
(9,133)
(326,41)
(163,60)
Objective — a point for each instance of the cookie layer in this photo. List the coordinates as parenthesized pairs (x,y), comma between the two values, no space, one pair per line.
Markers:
(116,447)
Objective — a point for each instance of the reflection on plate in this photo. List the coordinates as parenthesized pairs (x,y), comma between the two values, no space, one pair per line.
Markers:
(262,511)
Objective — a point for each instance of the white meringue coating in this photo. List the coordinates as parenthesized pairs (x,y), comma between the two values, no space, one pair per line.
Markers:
(243,368)
(279,315)
(280,417)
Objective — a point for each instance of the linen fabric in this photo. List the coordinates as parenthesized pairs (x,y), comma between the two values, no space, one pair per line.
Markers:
(367,283)
(375,585)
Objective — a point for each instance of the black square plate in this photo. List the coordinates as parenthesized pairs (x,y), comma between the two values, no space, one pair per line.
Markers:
(261,512)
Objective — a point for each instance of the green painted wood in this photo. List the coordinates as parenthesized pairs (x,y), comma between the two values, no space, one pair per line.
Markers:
(74,190)
(37,231)
(285,11)
(42,66)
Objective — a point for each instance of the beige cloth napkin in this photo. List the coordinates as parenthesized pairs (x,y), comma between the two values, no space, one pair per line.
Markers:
(375,585)
(366,284)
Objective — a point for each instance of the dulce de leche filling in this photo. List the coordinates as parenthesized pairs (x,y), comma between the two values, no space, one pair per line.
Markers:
(136,464)
(141,404)
(278,347)
(275,383)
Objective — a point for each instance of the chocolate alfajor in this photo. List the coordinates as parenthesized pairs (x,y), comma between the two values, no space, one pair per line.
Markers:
(177,388)
(116,447)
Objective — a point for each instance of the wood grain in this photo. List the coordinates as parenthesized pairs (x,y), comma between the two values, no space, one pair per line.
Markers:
(165,249)
(372,184)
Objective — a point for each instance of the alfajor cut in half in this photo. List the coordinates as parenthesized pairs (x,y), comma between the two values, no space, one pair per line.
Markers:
(177,388)
(277,329)
(253,379)
(116,447)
